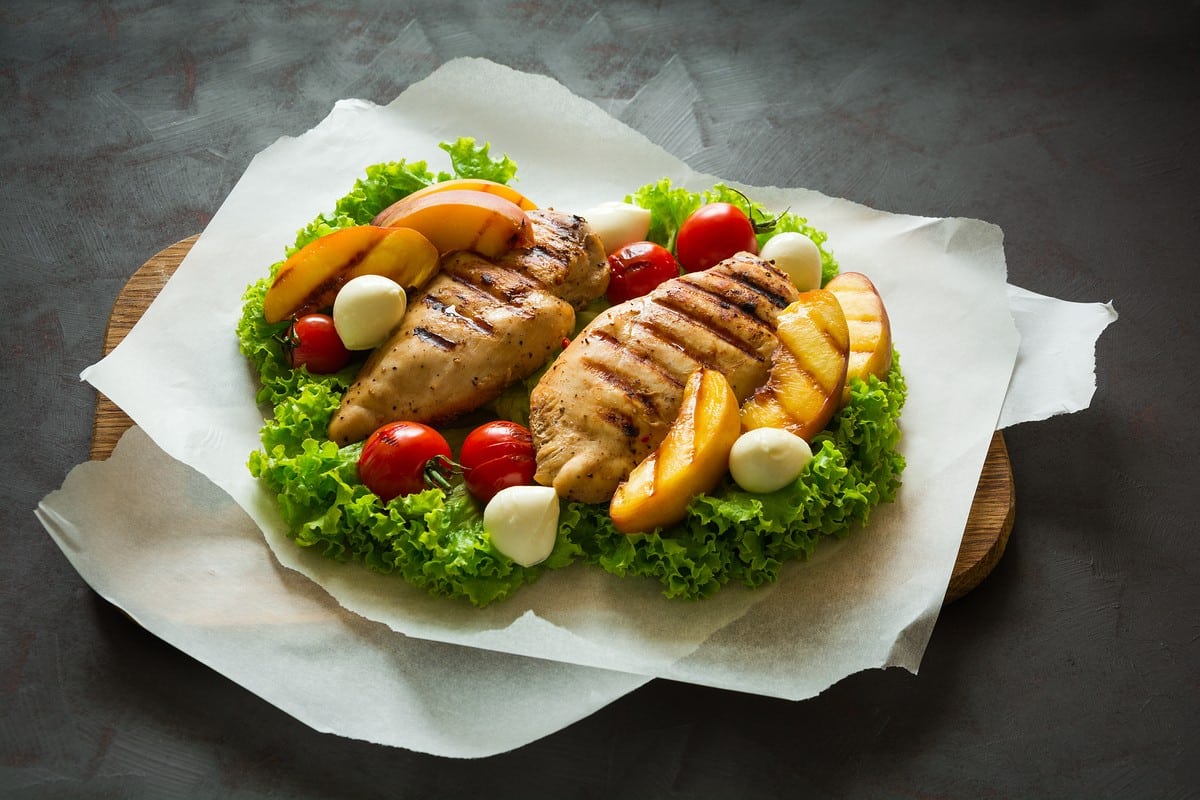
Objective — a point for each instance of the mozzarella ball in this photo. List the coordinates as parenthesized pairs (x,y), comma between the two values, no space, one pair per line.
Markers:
(522,522)
(765,459)
(798,256)
(618,224)
(367,309)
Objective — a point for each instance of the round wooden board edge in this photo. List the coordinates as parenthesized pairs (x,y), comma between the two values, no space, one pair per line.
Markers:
(985,538)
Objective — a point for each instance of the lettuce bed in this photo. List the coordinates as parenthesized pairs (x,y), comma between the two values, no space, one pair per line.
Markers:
(435,539)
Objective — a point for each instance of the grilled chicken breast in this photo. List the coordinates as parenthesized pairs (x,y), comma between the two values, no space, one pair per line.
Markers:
(608,400)
(475,328)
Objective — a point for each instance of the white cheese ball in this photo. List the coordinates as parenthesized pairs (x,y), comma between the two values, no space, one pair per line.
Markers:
(618,224)
(367,309)
(798,256)
(765,459)
(522,522)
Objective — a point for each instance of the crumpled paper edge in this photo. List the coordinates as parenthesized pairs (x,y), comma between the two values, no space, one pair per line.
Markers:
(1044,384)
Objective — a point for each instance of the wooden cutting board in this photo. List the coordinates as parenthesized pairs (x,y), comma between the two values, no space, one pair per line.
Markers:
(988,526)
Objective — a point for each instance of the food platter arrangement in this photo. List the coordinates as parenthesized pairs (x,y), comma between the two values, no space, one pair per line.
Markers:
(675,385)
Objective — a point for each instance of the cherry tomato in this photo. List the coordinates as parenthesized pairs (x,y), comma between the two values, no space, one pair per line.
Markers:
(313,342)
(396,457)
(485,479)
(635,269)
(713,233)
(497,455)
(492,439)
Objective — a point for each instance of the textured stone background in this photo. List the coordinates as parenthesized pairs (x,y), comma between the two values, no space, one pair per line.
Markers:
(1074,670)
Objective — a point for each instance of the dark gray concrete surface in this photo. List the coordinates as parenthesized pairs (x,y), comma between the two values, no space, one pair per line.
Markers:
(1073,671)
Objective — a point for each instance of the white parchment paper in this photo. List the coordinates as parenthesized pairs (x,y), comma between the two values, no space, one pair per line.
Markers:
(869,601)
(177,555)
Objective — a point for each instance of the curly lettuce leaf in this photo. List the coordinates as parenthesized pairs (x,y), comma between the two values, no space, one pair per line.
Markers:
(471,160)
(433,539)
(669,206)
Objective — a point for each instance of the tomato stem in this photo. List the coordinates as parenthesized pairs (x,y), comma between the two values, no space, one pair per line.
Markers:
(438,471)
(288,340)
(758,224)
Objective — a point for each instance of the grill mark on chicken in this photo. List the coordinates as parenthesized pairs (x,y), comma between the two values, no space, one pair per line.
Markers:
(610,370)
(776,299)
(541,251)
(724,334)
(756,304)
(724,293)
(487,282)
(622,422)
(450,310)
(466,292)
(498,287)
(668,335)
(429,337)
(644,361)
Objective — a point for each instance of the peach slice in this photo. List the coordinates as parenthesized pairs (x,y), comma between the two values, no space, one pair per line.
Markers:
(690,460)
(808,368)
(477,185)
(309,280)
(870,329)
(462,219)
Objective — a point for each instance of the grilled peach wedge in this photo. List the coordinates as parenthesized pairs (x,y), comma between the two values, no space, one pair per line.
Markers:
(691,459)
(477,185)
(808,368)
(870,329)
(309,280)
(462,219)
